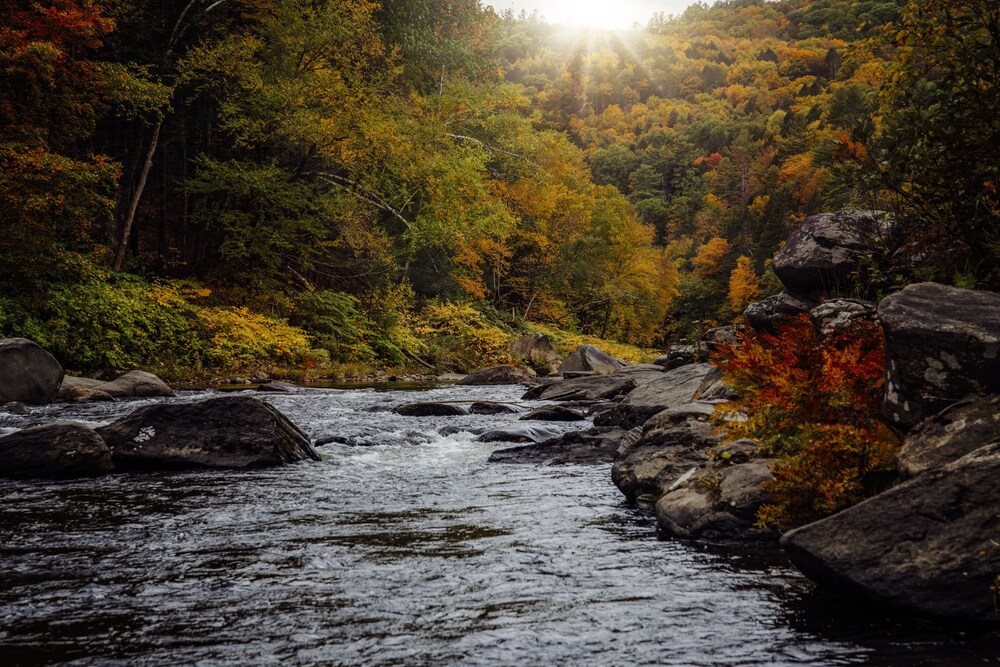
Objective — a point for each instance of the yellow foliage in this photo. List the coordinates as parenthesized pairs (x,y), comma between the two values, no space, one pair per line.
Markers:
(744,286)
(709,262)
(239,338)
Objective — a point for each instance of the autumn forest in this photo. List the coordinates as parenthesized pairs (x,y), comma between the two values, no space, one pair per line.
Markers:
(200,187)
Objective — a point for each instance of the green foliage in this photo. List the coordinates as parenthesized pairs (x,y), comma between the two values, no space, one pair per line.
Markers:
(334,324)
(814,402)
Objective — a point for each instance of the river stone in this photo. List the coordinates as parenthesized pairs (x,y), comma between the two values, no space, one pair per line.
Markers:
(593,446)
(430,409)
(769,315)
(537,351)
(518,433)
(930,545)
(136,384)
(84,395)
(641,373)
(590,358)
(672,443)
(28,373)
(224,432)
(950,435)
(500,375)
(941,345)
(58,450)
(829,252)
(277,386)
(717,501)
(672,388)
(590,388)
(554,413)
(492,408)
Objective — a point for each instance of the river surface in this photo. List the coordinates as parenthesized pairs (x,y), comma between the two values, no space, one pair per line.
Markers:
(404,548)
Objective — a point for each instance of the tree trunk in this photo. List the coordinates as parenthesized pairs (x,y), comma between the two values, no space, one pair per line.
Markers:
(126,229)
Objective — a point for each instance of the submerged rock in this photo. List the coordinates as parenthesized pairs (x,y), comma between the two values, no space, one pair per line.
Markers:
(59,450)
(930,545)
(225,432)
(277,386)
(941,345)
(28,373)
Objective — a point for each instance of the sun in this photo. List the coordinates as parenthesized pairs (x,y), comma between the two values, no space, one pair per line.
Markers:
(598,14)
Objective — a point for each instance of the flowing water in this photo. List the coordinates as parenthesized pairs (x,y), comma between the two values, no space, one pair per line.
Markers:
(404,548)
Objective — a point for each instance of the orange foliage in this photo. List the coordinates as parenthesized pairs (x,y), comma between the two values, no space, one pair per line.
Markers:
(814,402)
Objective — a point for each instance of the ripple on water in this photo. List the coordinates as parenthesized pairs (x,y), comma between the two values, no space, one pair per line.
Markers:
(401,554)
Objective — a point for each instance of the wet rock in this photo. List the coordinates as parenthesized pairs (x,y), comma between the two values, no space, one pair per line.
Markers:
(452,430)
(928,545)
(671,389)
(277,386)
(15,408)
(500,375)
(59,450)
(830,251)
(942,345)
(536,350)
(672,443)
(950,435)
(774,311)
(518,434)
(839,314)
(716,501)
(582,389)
(136,384)
(225,432)
(554,413)
(85,395)
(28,373)
(336,440)
(590,358)
(596,445)
(430,409)
(492,408)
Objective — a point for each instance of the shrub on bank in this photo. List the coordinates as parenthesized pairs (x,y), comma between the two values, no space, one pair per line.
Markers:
(814,402)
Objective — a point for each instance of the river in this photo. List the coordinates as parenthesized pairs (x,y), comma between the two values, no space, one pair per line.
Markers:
(404,548)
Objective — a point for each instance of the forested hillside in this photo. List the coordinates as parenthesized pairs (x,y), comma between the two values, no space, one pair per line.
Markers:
(208,186)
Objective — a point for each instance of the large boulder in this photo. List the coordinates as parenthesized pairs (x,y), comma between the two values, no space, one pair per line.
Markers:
(930,545)
(554,413)
(830,251)
(28,373)
(950,435)
(941,345)
(590,358)
(57,450)
(225,432)
(498,375)
(671,389)
(770,314)
(589,388)
(138,384)
(519,433)
(672,443)
(717,501)
(593,446)
(536,350)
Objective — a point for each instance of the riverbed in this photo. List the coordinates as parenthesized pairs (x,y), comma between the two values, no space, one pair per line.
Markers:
(404,547)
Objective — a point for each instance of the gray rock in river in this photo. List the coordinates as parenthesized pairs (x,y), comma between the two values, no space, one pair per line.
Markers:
(941,345)
(670,389)
(589,388)
(430,409)
(590,358)
(492,408)
(597,445)
(930,545)
(58,450)
(28,373)
(950,435)
(136,384)
(554,413)
(500,375)
(518,433)
(225,432)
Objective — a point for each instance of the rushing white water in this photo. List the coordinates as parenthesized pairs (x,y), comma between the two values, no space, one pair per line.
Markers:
(412,550)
